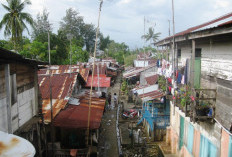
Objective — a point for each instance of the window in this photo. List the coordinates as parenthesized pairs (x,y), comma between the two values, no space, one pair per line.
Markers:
(198,52)
(179,53)
(13,89)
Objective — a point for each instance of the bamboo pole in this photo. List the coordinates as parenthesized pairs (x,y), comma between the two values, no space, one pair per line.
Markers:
(91,89)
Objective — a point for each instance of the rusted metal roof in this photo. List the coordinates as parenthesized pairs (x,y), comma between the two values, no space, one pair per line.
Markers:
(77,116)
(15,146)
(84,73)
(148,92)
(59,69)
(151,95)
(62,86)
(151,79)
(102,79)
(189,30)
(99,69)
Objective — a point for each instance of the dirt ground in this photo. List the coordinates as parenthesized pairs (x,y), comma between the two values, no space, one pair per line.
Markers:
(108,146)
(108,143)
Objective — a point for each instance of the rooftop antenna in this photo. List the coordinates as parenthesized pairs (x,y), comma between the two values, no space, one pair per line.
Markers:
(91,89)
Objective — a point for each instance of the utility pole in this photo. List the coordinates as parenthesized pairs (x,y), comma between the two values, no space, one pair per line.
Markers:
(173,53)
(50,90)
(70,36)
(169,31)
(91,89)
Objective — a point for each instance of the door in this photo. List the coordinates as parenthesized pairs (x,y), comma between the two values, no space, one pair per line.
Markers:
(197,72)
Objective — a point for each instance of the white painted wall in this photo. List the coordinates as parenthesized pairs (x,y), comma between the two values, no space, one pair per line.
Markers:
(216,60)
(140,63)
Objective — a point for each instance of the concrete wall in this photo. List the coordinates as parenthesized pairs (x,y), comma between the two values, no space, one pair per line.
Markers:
(216,73)
(211,131)
(142,75)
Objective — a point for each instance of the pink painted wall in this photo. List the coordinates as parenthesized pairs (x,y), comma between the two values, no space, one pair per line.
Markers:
(225,139)
(196,143)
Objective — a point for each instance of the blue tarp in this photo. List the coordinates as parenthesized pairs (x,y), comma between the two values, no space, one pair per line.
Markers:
(207,149)
(190,138)
(140,121)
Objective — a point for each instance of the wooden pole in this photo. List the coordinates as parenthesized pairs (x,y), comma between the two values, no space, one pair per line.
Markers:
(173,54)
(50,91)
(193,62)
(91,89)
(8,97)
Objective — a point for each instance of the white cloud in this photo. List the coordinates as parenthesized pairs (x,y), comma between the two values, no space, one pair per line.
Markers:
(123,19)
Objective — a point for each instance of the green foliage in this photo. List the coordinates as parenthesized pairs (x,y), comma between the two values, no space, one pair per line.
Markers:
(117,51)
(41,27)
(129,59)
(79,55)
(14,21)
(35,50)
(7,44)
(151,35)
(162,83)
(185,95)
(104,42)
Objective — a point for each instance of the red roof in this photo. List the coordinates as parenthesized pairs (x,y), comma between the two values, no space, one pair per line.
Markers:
(151,95)
(77,116)
(103,81)
(152,79)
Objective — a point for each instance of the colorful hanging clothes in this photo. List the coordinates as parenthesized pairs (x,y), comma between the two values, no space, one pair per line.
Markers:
(182,79)
(179,78)
(186,71)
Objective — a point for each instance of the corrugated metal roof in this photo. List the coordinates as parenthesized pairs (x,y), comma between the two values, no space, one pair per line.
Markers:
(99,69)
(151,79)
(77,116)
(15,146)
(59,69)
(7,56)
(62,86)
(189,30)
(151,95)
(136,72)
(148,92)
(84,73)
(102,79)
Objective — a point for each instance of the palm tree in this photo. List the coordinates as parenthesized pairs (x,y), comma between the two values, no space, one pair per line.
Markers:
(14,20)
(151,36)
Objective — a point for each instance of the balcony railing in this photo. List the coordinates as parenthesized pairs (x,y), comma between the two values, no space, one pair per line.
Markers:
(204,104)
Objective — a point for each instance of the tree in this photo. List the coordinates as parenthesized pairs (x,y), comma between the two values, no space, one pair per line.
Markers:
(151,35)
(72,23)
(88,33)
(104,42)
(118,51)
(14,20)
(41,27)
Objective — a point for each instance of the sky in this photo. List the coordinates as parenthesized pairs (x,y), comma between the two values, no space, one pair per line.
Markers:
(123,20)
